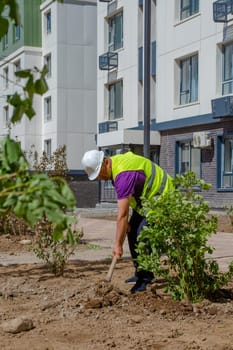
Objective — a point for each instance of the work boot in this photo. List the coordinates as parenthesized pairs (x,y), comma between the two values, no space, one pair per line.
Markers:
(132,279)
(140,286)
(143,278)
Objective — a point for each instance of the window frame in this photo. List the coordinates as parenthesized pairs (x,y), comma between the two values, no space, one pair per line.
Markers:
(113,102)
(188,8)
(48,22)
(48,148)
(191,155)
(140,64)
(17,68)
(188,72)
(5,41)
(113,44)
(48,63)
(226,81)
(221,162)
(47,108)
(17,33)
(6,116)
(6,77)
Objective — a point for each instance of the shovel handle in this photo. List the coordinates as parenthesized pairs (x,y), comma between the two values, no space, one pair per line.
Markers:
(111,269)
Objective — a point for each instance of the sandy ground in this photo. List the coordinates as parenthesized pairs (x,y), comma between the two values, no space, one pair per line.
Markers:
(82,311)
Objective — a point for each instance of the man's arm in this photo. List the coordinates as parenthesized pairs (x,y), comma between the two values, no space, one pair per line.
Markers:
(122,225)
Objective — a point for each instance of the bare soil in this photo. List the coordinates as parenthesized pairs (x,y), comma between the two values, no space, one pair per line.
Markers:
(82,311)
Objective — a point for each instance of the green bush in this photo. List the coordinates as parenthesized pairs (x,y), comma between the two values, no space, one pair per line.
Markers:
(174,244)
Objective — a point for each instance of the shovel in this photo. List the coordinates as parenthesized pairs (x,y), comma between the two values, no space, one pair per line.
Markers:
(112,266)
(111,269)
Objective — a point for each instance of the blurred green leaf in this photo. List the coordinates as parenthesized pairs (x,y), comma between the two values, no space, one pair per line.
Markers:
(3,26)
(17,114)
(13,150)
(41,86)
(26,73)
(14,11)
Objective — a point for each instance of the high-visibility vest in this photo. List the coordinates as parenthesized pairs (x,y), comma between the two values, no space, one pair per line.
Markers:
(157,180)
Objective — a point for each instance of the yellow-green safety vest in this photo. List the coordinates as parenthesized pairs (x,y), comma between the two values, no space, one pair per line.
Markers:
(157,180)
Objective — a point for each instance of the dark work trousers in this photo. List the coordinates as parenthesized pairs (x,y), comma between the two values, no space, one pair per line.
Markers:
(136,223)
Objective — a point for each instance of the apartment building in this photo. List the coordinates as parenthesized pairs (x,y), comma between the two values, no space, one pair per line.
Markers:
(191,86)
(120,77)
(194,92)
(62,36)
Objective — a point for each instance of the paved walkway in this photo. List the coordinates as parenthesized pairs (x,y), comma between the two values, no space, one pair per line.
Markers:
(102,232)
(99,237)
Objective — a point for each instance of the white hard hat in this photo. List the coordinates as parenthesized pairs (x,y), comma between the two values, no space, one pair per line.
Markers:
(92,162)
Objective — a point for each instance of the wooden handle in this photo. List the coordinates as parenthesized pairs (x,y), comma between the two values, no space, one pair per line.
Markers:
(111,268)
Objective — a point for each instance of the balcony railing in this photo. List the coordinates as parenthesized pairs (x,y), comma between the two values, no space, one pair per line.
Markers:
(108,60)
(222,107)
(108,126)
(105,0)
(221,9)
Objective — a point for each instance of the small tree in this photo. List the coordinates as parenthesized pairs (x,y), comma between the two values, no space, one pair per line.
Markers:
(174,245)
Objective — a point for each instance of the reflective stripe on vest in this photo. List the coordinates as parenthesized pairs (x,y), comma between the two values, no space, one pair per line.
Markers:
(152,177)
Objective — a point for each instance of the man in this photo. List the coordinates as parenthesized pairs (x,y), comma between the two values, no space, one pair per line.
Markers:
(133,177)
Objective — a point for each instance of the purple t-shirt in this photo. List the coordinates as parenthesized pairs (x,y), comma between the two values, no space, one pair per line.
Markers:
(129,183)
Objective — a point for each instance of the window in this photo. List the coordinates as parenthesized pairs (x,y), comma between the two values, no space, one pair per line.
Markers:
(189,80)
(189,158)
(153,58)
(188,8)
(17,68)
(140,64)
(116,100)
(48,27)
(47,62)
(5,41)
(17,33)
(225,178)
(116,32)
(47,109)
(6,77)
(227,83)
(48,148)
(6,119)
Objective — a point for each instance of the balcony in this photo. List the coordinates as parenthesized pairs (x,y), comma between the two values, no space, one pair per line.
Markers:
(222,107)
(108,126)
(108,60)
(221,9)
(105,0)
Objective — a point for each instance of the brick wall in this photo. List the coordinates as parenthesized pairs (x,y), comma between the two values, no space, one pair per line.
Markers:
(85,191)
(208,156)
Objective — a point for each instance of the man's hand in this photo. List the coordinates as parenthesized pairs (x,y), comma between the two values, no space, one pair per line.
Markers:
(117,251)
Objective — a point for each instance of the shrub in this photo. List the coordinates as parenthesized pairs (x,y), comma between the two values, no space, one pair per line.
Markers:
(174,244)
(54,252)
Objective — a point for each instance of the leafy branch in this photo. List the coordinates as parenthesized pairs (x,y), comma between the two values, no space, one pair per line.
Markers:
(32,87)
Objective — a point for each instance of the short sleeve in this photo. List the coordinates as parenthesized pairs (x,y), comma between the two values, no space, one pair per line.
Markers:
(129,183)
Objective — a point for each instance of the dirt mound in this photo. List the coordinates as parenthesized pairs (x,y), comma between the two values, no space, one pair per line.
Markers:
(82,311)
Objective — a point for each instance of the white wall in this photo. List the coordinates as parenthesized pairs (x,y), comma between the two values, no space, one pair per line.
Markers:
(72,44)
(175,40)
